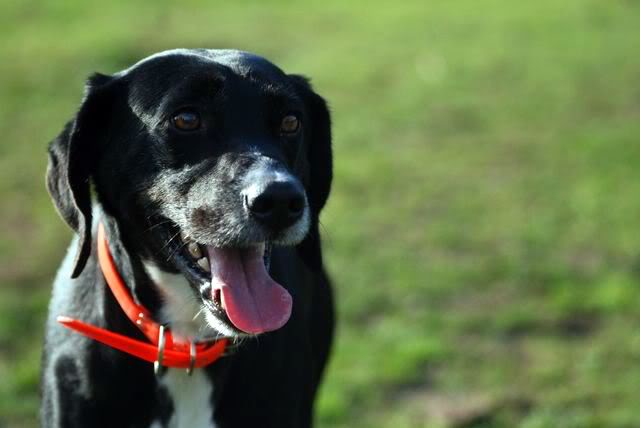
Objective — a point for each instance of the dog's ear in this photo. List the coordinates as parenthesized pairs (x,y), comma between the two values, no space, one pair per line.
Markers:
(318,136)
(317,132)
(72,158)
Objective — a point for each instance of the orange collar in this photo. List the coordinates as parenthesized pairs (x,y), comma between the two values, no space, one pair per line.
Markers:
(165,349)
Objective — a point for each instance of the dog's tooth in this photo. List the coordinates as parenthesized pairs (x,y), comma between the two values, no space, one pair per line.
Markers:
(194,250)
(183,236)
(204,264)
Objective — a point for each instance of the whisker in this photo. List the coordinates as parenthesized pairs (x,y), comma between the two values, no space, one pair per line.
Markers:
(197,314)
(326,234)
(175,250)
(153,226)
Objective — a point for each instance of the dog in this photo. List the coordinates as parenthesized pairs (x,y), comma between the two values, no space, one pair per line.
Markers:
(209,170)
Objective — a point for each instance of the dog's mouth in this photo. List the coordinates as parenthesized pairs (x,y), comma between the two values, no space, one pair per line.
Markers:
(235,285)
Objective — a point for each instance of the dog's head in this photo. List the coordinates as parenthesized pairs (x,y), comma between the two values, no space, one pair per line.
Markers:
(205,158)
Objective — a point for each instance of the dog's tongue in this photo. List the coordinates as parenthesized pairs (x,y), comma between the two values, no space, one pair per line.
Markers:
(254,302)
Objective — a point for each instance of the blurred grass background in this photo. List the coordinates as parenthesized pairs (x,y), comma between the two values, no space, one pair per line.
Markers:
(483,232)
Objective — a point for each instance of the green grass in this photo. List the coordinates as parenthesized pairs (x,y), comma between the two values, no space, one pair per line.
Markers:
(484,228)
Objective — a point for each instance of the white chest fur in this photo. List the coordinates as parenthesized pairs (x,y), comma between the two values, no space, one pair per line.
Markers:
(180,307)
(191,397)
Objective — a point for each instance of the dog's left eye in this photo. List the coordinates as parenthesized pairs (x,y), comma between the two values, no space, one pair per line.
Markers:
(290,125)
(186,120)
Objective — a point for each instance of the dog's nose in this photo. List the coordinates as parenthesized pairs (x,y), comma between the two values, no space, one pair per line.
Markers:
(277,205)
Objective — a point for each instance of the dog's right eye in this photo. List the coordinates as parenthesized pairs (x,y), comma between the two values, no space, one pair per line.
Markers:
(186,120)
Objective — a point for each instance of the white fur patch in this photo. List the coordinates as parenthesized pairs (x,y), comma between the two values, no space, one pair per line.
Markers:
(191,396)
(181,309)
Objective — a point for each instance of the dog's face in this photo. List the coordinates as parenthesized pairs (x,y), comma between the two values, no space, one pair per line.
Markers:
(206,159)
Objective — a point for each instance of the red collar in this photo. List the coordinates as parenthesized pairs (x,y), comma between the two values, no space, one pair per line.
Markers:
(165,349)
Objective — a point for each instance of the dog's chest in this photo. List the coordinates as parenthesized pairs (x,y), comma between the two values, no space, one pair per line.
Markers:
(191,399)
(189,395)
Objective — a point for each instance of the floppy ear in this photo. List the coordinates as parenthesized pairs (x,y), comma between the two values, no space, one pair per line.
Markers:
(72,158)
(320,160)
(318,136)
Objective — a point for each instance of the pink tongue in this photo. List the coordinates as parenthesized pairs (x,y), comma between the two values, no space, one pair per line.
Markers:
(254,302)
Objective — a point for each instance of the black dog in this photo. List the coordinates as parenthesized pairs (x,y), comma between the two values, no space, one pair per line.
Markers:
(210,168)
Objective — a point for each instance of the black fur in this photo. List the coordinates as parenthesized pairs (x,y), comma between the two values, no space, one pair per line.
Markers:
(152,180)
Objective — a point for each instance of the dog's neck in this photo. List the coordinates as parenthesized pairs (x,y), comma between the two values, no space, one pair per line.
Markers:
(168,296)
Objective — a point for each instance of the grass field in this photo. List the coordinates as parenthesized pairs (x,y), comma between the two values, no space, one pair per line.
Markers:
(484,229)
